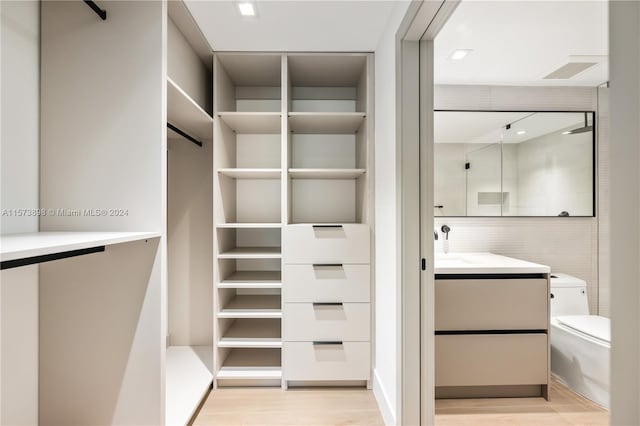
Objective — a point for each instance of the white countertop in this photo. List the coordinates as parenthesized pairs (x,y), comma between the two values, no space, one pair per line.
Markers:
(485,263)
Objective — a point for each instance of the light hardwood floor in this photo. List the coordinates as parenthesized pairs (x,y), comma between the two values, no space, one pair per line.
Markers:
(328,407)
(305,406)
(564,409)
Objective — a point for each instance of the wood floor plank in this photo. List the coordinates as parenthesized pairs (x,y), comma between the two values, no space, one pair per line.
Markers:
(307,406)
(565,409)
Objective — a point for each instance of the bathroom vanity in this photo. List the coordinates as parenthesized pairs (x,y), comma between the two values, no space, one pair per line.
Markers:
(492,326)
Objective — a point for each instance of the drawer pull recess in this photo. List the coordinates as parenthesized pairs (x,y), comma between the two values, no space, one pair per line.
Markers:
(327,342)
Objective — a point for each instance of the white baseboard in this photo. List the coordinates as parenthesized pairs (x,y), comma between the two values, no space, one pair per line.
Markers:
(388,413)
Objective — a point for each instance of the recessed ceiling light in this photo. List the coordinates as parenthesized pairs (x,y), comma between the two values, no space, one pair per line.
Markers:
(566,133)
(247,9)
(459,54)
(522,132)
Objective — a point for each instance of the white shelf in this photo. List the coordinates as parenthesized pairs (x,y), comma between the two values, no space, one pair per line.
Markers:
(188,378)
(326,122)
(254,364)
(251,173)
(252,253)
(249,225)
(253,373)
(252,306)
(252,122)
(20,246)
(253,279)
(184,113)
(326,173)
(244,333)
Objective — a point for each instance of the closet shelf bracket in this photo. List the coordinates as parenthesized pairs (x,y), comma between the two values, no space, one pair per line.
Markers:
(184,134)
(100,12)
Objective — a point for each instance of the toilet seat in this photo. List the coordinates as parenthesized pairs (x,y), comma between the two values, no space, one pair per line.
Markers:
(594,326)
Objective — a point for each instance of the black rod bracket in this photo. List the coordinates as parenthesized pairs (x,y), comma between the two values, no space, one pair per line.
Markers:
(100,12)
(25,261)
(184,134)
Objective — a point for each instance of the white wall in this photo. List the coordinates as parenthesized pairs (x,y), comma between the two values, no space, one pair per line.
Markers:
(555,174)
(19,176)
(103,145)
(569,246)
(386,231)
(186,69)
(624,27)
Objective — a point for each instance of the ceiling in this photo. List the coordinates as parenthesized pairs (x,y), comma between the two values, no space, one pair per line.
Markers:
(520,42)
(300,25)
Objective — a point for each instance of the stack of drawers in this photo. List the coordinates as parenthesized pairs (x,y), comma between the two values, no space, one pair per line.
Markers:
(327,303)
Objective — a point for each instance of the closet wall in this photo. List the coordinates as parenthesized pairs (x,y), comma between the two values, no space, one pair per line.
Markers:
(102,328)
(20,99)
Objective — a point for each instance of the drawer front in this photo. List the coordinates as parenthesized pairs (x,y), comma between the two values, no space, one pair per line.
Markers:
(509,304)
(488,360)
(308,244)
(326,283)
(346,361)
(308,322)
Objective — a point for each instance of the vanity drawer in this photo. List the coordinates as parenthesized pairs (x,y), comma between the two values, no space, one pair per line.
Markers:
(488,360)
(492,304)
(343,361)
(348,243)
(345,321)
(326,283)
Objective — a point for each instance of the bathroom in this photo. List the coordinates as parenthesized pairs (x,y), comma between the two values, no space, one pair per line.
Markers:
(521,148)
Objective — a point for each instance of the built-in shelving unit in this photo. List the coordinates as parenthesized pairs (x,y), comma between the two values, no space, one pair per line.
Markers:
(328,138)
(248,176)
(291,147)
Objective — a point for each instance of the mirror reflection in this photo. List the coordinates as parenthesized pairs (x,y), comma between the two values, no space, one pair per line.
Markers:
(514,163)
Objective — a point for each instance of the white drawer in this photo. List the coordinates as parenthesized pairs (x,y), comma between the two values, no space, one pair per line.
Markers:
(344,361)
(309,244)
(491,359)
(326,283)
(343,321)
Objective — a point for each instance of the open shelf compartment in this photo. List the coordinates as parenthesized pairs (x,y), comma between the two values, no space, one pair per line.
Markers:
(327,83)
(250,333)
(248,83)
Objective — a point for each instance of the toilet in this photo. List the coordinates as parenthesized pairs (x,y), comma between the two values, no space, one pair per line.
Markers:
(580,343)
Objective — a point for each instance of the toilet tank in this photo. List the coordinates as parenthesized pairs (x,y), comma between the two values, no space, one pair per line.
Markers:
(568,295)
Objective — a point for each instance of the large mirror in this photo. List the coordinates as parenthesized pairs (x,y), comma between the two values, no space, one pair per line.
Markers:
(514,163)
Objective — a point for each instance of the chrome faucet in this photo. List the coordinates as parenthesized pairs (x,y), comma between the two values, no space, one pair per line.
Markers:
(446,231)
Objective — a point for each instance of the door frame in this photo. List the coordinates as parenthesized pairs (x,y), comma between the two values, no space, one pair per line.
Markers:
(414,156)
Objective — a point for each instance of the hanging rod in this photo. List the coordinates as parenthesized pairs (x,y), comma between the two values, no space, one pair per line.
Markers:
(100,12)
(184,135)
(8,264)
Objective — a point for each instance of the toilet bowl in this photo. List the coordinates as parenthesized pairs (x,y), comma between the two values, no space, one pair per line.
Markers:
(580,343)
